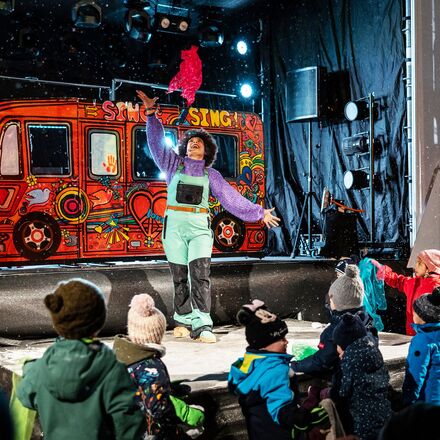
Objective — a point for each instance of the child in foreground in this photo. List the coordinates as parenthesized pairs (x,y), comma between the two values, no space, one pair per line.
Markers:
(422,373)
(78,387)
(166,416)
(365,378)
(426,278)
(261,380)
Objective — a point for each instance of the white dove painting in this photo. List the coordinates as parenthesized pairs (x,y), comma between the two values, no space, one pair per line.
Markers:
(38,196)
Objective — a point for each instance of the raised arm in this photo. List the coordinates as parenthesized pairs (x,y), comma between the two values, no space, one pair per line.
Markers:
(166,159)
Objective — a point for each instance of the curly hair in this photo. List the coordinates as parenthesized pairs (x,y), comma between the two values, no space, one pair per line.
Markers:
(208,140)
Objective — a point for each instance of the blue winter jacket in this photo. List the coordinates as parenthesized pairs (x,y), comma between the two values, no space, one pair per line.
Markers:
(422,375)
(261,380)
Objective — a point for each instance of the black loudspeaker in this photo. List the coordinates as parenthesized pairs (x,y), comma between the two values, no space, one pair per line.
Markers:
(339,234)
(306,96)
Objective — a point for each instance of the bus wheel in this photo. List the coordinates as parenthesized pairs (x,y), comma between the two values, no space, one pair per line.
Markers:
(229,232)
(37,236)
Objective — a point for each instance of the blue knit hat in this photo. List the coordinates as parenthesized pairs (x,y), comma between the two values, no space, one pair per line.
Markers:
(349,329)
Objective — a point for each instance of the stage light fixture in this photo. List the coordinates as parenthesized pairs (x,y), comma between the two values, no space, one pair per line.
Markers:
(357,110)
(138,24)
(242,47)
(172,19)
(246,90)
(356,144)
(211,35)
(7,6)
(86,14)
(356,179)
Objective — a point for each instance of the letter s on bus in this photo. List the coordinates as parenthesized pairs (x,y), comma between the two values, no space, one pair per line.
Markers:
(109,111)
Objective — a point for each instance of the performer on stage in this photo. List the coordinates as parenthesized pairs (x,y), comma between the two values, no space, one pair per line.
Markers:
(187,236)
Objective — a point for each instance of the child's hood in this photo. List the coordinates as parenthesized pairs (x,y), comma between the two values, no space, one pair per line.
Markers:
(73,369)
(246,372)
(364,355)
(431,330)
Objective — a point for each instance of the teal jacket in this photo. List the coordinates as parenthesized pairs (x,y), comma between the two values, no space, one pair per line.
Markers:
(80,392)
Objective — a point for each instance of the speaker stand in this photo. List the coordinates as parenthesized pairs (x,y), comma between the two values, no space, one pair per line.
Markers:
(310,196)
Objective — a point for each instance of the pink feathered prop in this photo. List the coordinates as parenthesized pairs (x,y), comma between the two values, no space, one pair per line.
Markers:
(189,76)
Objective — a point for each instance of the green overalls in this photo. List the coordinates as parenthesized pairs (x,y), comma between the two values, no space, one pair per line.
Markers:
(188,239)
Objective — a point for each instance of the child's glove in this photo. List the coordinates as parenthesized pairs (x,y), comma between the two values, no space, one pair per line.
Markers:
(318,417)
(380,273)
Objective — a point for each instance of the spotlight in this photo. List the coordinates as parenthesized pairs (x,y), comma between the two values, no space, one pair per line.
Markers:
(355,144)
(241,47)
(210,35)
(172,19)
(356,179)
(86,14)
(356,110)
(246,90)
(138,24)
(7,6)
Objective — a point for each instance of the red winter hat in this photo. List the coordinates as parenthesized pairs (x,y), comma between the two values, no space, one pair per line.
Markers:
(431,258)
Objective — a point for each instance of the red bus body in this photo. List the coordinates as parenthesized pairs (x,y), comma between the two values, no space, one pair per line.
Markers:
(84,199)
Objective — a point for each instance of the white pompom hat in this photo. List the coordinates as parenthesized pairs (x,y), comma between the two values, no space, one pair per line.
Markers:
(146,323)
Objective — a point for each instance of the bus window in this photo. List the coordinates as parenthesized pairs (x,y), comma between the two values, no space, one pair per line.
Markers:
(10,163)
(144,166)
(104,153)
(49,148)
(226,160)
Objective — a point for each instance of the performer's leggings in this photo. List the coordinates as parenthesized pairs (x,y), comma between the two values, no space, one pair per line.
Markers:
(187,239)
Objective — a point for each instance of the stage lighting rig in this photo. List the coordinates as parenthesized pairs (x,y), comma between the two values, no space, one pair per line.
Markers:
(139,24)
(87,14)
(211,34)
(172,19)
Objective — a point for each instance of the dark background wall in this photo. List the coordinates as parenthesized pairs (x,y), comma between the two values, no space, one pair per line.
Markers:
(358,41)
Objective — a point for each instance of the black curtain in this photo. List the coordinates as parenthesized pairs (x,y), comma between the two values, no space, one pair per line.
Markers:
(362,41)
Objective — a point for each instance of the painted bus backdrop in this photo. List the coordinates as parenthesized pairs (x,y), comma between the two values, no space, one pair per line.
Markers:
(78,183)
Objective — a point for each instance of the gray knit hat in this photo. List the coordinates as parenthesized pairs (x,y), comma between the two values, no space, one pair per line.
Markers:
(347,292)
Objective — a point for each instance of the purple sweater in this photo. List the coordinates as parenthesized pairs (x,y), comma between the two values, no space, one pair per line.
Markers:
(168,162)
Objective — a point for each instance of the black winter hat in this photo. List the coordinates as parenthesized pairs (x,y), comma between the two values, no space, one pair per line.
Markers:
(262,326)
(349,329)
(77,308)
(428,306)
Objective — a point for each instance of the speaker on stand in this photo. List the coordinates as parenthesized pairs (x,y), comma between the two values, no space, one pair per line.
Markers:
(306,101)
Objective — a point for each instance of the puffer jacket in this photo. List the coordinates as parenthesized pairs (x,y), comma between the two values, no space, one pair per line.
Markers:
(422,373)
(81,391)
(364,384)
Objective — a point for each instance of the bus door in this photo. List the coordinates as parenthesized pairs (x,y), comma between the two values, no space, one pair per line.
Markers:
(38,231)
(105,229)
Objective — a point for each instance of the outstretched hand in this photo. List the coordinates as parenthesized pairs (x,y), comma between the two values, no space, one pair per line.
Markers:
(149,103)
(380,269)
(270,220)
(375,263)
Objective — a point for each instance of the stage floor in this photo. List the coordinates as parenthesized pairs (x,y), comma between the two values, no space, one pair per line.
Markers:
(205,366)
